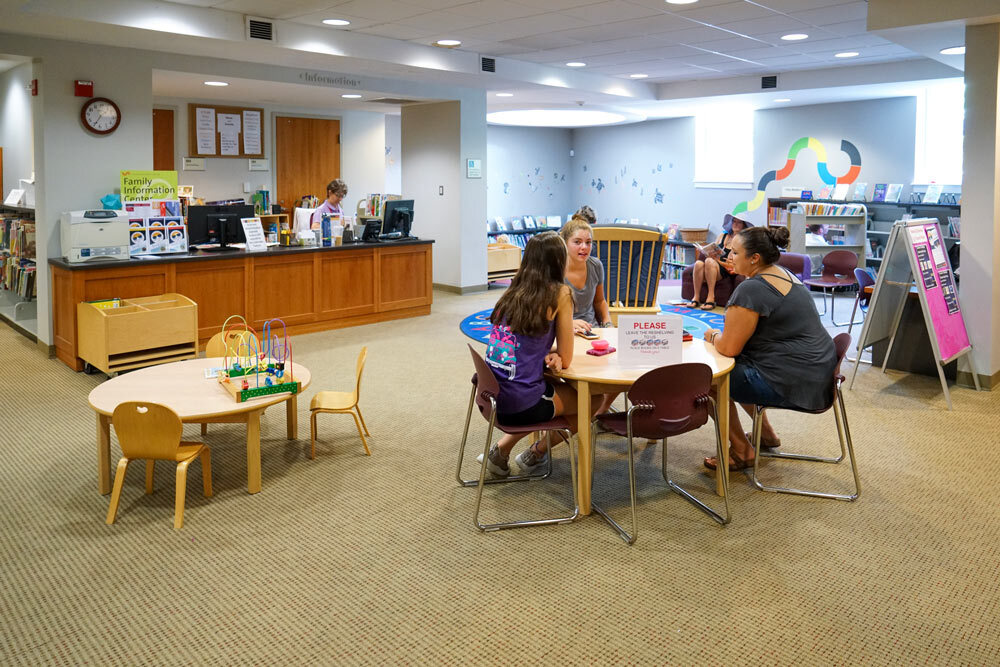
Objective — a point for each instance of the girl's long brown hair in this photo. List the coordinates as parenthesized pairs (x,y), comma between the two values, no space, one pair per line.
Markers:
(535,289)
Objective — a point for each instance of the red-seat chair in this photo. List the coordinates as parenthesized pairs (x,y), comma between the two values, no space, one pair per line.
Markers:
(864,279)
(485,389)
(841,343)
(838,273)
(665,402)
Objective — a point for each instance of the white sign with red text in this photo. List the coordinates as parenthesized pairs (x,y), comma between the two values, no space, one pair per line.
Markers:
(649,340)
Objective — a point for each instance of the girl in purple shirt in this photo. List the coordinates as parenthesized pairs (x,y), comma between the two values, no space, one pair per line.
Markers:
(536,310)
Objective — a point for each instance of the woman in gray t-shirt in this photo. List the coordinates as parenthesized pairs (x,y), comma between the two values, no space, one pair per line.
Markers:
(585,277)
(784,356)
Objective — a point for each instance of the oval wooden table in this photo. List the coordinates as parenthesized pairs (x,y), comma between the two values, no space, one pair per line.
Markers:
(605,374)
(183,387)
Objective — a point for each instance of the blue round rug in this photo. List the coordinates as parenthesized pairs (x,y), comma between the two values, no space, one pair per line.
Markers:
(696,322)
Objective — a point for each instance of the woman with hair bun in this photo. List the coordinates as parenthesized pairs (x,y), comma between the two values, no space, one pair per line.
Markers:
(784,356)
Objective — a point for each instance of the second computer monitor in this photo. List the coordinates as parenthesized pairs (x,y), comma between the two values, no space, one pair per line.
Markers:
(217,224)
(398,218)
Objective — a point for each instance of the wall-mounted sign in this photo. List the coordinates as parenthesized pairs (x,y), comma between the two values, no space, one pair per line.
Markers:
(194,164)
(329,79)
(143,185)
(473,168)
(259,164)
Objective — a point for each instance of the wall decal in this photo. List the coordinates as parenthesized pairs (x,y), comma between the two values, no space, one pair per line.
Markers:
(824,173)
(658,197)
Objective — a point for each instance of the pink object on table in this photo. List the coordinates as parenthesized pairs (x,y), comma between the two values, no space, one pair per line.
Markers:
(599,344)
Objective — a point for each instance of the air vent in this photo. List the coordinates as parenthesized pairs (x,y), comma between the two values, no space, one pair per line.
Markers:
(393,100)
(489,64)
(258,28)
(769,81)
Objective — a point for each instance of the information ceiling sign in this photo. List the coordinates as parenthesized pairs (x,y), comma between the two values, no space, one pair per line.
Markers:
(650,340)
(146,185)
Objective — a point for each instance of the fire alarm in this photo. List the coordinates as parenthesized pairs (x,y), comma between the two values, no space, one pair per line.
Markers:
(83,88)
(34,87)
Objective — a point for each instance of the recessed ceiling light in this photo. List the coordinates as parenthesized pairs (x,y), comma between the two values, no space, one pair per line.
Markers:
(576,64)
(953,51)
(783,99)
(554,117)
(216,83)
(448,43)
(795,36)
(681,2)
(637,76)
(505,94)
(351,96)
(337,22)
(846,54)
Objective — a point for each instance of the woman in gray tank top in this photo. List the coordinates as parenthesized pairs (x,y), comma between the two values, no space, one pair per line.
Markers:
(784,356)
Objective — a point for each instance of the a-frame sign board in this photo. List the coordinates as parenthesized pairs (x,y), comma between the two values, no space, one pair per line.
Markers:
(915,256)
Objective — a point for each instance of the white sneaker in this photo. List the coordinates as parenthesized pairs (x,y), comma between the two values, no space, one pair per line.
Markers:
(529,461)
(495,463)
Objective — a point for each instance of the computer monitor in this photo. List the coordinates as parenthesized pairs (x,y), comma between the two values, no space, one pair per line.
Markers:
(217,224)
(397,219)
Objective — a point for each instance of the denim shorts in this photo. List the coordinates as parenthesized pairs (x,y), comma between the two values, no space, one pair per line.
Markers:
(747,385)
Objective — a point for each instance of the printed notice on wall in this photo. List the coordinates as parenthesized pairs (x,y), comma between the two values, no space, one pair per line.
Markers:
(229,133)
(650,340)
(251,132)
(205,131)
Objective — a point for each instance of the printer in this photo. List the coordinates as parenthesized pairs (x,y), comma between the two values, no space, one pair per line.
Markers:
(99,234)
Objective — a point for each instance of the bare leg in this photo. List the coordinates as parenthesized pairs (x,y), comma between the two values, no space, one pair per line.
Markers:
(711,277)
(697,278)
(767,434)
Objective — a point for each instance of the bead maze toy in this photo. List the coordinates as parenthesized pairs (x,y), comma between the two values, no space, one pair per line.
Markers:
(252,373)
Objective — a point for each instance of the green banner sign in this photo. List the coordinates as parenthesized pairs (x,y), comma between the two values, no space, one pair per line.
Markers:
(143,185)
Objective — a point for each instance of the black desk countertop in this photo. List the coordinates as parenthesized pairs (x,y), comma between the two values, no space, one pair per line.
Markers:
(199,255)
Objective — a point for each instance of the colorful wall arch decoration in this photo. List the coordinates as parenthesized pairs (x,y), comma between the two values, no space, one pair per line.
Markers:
(824,173)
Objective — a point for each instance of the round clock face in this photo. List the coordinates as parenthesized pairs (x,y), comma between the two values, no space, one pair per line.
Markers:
(100,115)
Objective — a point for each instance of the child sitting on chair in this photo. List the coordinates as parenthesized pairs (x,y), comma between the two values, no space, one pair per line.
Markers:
(536,310)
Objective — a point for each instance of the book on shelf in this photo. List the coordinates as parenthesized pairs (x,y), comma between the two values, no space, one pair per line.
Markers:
(824,193)
(955,226)
(553,221)
(807,194)
(859,191)
(673,232)
(516,224)
(879,194)
(933,194)
(817,208)
(893,192)
(840,191)
(529,222)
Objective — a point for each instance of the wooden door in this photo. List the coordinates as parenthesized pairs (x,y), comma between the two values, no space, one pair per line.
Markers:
(307,153)
(163,139)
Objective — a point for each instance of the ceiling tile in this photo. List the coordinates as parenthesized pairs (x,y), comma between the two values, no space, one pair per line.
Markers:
(380,10)
(557,5)
(799,5)
(847,28)
(695,35)
(274,10)
(784,61)
(853,11)
(544,43)
(611,10)
(442,22)
(526,27)
(726,13)
(491,11)
(316,18)
(776,23)
(433,5)
(764,52)
(397,31)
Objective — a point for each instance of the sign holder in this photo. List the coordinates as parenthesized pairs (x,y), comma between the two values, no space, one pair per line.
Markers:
(915,256)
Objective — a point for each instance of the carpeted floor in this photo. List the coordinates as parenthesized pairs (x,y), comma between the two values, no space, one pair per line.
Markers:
(349,559)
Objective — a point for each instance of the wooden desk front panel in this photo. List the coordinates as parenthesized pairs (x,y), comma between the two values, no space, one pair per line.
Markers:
(405,277)
(217,287)
(283,288)
(347,282)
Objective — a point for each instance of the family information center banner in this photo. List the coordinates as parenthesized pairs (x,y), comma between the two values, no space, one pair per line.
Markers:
(147,185)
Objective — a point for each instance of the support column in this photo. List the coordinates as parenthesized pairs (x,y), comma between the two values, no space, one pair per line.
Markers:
(980,257)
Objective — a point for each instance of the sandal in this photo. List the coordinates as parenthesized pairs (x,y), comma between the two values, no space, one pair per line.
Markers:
(708,305)
(735,463)
(765,444)
(693,304)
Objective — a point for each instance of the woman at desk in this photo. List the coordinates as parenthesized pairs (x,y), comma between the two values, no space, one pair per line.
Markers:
(710,269)
(335,193)
(784,356)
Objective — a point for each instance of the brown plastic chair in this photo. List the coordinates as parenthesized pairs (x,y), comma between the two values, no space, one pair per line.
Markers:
(665,402)
(340,403)
(485,390)
(841,343)
(838,273)
(153,432)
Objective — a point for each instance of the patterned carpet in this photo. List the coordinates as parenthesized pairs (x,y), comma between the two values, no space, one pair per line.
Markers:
(348,559)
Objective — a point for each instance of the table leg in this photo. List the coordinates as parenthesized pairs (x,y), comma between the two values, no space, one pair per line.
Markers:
(292,417)
(722,398)
(253,451)
(104,454)
(584,468)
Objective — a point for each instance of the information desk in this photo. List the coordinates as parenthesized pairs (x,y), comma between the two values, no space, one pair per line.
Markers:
(311,289)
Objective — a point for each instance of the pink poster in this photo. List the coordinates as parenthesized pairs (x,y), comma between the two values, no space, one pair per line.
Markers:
(938,285)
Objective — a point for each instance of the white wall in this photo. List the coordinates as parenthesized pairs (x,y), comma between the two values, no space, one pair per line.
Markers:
(472,213)
(16,126)
(361,165)
(393,151)
(529,172)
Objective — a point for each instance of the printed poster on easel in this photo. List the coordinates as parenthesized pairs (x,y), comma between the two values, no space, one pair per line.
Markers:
(915,258)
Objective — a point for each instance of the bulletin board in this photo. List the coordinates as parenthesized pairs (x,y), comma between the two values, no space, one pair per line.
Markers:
(224,131)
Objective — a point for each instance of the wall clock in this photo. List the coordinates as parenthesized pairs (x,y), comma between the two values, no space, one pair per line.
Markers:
(100,115)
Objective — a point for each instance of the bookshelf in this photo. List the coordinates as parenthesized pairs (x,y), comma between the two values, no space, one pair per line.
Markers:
(677,256)
(517,230)
(18,274)
(844,226)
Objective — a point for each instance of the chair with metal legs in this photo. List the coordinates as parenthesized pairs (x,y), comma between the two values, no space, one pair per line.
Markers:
(841,342)
(485,389)
(665,402)
(838,273)
(864,279)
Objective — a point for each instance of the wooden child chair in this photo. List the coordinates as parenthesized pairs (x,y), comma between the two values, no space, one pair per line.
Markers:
(153,432)
(343,403)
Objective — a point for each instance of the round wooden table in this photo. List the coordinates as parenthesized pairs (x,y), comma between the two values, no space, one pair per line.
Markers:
(605,375)
(183,387)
